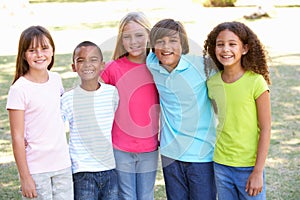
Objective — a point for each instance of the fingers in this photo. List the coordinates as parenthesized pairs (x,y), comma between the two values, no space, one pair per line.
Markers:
(254,191)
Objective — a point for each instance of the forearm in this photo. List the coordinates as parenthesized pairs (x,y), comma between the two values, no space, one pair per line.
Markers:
(262,150)
(20,157)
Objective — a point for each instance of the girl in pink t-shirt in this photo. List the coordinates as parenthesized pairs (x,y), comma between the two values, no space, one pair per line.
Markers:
(135,128)
(33,105)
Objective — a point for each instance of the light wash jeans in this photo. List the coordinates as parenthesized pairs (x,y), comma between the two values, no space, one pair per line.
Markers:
(56,185)
(136,174)
(231,183)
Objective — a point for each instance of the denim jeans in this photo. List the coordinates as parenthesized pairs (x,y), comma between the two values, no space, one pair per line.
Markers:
(55,185)
(188,180)
(231,183)
(96,185)
(136,174)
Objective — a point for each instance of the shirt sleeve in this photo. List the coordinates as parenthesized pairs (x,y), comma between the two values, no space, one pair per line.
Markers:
(16,99)
(260,86)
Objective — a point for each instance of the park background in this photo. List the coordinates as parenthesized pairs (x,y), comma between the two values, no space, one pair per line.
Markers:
(72,22)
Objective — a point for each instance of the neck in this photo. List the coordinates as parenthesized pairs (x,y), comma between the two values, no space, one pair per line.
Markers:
(233,74)
(137,59)
(90,86)
(37,76)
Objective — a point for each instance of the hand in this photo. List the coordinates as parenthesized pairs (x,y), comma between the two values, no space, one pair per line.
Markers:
(254,184)
(28,188)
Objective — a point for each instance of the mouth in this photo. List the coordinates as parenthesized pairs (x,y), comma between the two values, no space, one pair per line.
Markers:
(88,71)
(40,61)
(167,53)
(227,56)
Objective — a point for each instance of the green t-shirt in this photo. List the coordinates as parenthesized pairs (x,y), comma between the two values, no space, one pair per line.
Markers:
(237,130)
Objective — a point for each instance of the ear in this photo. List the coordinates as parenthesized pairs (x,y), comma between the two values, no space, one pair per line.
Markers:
(245,49)
(73,67)
(102,65)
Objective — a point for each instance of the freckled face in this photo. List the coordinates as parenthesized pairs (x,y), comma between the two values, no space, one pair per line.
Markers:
(168,51)
(229,49)
(39,56)
(134,40)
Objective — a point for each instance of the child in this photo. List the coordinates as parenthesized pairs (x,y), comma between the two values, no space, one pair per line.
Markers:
(135,128)
(242,98)
(33,105)
(90,109)
(187,120)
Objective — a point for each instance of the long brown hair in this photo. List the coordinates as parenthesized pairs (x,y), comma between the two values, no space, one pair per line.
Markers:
(27,37)
(256,58)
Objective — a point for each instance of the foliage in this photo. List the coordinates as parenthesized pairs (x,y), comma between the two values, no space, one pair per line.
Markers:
(218,3)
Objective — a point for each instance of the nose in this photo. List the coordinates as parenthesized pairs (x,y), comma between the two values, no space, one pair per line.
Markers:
(226,48)
(39,52)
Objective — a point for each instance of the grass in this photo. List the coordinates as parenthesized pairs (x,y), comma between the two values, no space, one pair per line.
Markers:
(282,167)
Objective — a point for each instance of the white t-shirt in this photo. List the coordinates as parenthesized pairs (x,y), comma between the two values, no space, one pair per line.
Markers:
(90,115)
(47,148)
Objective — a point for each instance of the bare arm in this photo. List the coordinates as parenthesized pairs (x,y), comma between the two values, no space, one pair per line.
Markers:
(255,180)
(16,118)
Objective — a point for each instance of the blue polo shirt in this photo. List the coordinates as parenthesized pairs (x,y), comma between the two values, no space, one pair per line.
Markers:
(187,131)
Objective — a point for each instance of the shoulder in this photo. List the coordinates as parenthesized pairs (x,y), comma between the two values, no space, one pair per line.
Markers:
(108,86)
(54,74)
(214,78)
(68,94)
(254,77)
(151,60)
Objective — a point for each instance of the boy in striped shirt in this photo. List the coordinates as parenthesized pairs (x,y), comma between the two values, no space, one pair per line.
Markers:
(90,108)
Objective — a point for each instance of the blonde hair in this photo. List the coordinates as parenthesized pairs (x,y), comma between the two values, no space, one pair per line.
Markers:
(137,17)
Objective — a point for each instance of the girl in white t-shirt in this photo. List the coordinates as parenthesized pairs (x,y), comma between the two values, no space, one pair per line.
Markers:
(33,105)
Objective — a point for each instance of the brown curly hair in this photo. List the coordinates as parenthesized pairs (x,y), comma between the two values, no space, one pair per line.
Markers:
(256,58)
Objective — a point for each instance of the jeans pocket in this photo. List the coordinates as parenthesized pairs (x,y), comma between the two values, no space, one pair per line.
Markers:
(78,177)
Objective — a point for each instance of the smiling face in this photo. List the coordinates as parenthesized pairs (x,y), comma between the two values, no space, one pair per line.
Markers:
(87,63)
(39,55)
(134,40)
(229,49)
(168,51)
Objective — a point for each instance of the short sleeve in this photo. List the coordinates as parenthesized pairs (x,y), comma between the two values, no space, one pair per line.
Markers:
(16,99)
(260,86)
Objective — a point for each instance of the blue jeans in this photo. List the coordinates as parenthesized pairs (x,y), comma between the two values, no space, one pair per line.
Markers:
(231,183)
(96,185)
(188,180)
(136,174)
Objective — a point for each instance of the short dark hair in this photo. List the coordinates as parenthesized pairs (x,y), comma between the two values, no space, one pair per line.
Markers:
(85,44)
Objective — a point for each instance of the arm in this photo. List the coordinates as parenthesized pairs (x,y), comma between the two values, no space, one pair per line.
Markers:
(16,118)
(255,180)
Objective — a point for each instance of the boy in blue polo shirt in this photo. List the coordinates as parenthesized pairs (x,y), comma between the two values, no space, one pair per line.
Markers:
(187,119)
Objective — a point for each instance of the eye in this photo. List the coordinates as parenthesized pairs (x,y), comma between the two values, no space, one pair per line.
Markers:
(159,42)
(94,60)
(30,50)
(79,60)
(126,36)
(140,35)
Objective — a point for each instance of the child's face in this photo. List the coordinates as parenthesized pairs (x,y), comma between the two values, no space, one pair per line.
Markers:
(168,50)
(39,56)
(87,63)
(229,49)
(134,40)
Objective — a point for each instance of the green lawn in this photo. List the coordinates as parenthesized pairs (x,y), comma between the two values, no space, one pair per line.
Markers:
(282,165)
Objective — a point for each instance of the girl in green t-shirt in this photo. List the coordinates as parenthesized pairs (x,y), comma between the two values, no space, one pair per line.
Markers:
(240,93)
